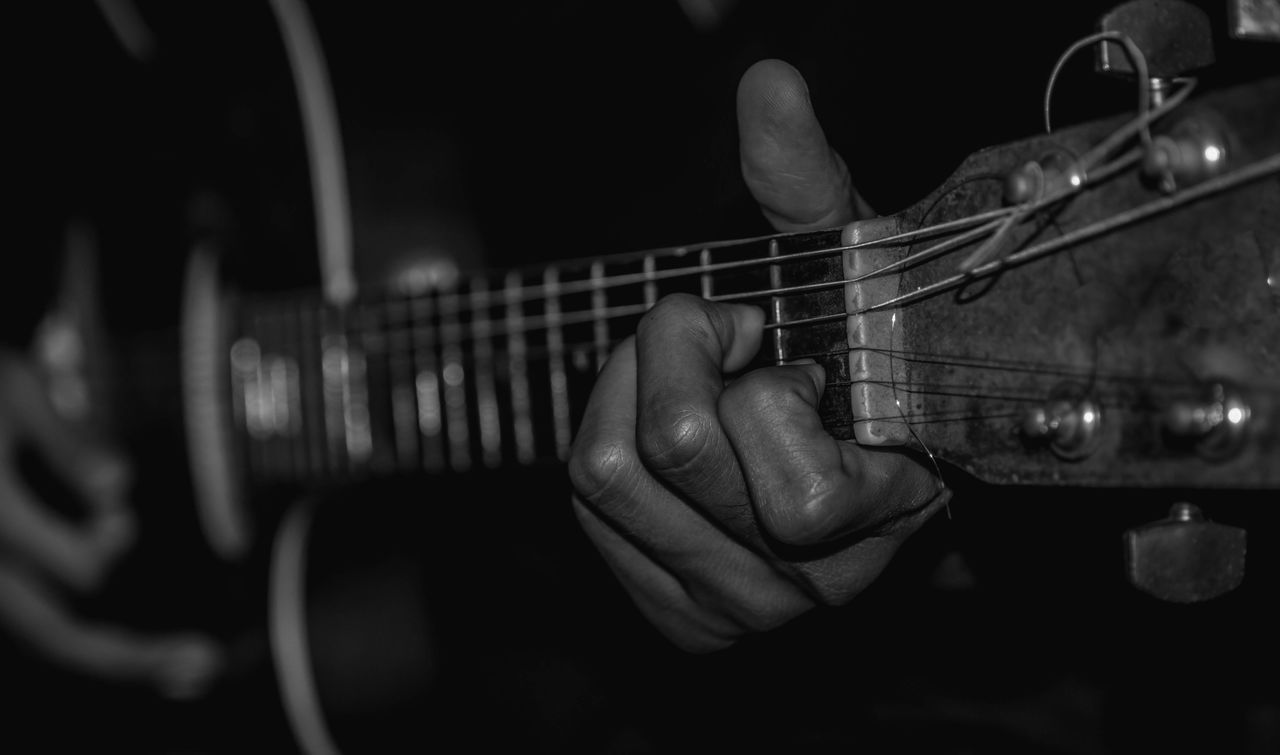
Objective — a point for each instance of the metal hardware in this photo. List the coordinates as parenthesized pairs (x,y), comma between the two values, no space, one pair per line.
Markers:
(1254,19)
(1038,178)
(1175,37)
(1070,426)
(1215,427)
(1185,558)
(1194,150)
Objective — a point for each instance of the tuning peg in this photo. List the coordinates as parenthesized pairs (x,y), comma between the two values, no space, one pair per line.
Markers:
(1185,558)
(1254,19)
(1174,36)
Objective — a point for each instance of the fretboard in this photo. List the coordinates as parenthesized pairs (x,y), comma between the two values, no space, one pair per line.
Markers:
(499,371)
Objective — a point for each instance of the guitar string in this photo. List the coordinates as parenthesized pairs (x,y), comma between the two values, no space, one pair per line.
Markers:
(946,284)
(993,219)
(1255,171)
(382,348)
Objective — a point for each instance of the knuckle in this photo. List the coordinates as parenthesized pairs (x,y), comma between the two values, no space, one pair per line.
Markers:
(810,513)
(600,471)
(675,441)
(768,392)
(754,392)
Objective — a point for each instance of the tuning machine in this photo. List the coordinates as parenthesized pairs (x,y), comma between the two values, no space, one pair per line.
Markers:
(1194,149)
(1185,558)
(1070,422)
(1215,427)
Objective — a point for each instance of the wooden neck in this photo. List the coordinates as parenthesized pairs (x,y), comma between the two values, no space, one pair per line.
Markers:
(498,371)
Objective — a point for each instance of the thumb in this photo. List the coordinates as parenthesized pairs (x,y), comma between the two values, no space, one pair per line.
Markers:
(791,170)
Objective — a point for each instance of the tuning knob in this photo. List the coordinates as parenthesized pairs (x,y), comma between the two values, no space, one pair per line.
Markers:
(1070,426)
(1215,427)
(1185,558)
(1174,36)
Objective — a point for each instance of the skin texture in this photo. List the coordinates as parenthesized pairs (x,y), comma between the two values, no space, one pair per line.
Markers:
(726,509)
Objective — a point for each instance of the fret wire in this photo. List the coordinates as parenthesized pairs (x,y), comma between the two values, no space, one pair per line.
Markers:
(355,399)
(333,359)
(775,282)
(313,392)
(276,395)
(249,376)
(426,383)
(600,324)
(400,371)
(235,374)
(704,263)
(521,406)
(264,409)
(457,430)
(486,392)
(374,352)
(650,283)
(559,377)
(293,381)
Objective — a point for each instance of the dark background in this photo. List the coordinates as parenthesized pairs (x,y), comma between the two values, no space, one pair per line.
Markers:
(514,132)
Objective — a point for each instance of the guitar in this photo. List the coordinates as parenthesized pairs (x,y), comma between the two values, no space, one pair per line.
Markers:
(1116,332)
(1124,336)
(1050,315)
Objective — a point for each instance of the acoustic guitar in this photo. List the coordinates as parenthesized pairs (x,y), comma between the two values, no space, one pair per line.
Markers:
(1096,307)
(1076,309)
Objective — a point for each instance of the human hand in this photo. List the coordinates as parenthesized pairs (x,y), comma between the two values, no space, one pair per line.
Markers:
(43,554)
(721,503)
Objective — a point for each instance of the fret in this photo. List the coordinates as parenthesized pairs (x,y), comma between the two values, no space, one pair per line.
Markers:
(775,282)
(333,369)
(826,342)
(400,368)
(292,399)
(490,422)
(449,381)
(355,406)
(555,352)
(599,305)
(312,389)
(650,285)
(246,369)
(704,261)
(271,390)
(375,396)
(426,382)
(517,363)
(454,374)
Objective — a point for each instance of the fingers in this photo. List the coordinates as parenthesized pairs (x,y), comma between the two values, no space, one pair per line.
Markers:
(648,535)
(177,666)
(684,347)
(30,533)
(791,170)
(100,477)
(77,556)
(808,487)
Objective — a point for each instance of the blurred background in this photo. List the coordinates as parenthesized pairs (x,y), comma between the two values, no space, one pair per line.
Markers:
(470,609)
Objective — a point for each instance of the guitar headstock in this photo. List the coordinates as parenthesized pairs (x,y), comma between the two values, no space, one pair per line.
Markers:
(1125,334)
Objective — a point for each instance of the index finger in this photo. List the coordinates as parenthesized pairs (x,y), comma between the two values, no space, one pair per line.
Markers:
(684,348)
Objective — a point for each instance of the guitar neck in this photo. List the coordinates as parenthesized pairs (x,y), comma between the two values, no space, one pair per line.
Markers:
(1111,329)
(498,371)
